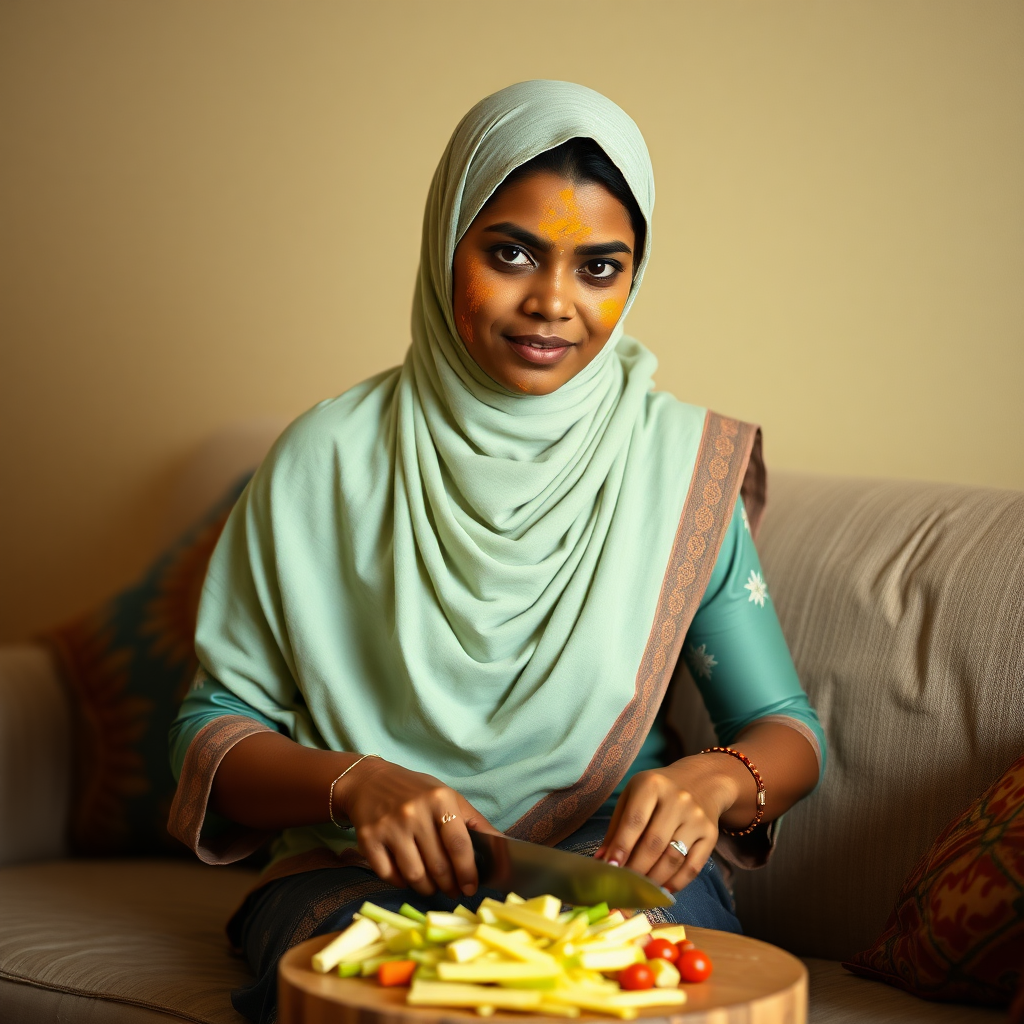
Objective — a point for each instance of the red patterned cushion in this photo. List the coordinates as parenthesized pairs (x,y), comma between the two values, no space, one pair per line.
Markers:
(128,665)
(957,930)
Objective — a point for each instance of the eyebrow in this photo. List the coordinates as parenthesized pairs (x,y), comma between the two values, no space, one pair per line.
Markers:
(532,240)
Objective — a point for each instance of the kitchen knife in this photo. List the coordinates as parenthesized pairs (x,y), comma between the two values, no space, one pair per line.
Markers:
(510,865)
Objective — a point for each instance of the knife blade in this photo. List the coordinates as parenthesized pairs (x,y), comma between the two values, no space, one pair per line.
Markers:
(529,869)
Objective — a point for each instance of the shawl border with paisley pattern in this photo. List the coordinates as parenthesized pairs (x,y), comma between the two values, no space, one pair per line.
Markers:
(729,462)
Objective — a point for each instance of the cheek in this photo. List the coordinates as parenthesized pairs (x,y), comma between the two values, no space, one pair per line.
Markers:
(609,311)
(471,299)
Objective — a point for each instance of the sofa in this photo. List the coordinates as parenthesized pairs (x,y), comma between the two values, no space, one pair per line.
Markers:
(903,604)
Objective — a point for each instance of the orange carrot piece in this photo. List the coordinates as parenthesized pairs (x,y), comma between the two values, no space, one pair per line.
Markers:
(396,972)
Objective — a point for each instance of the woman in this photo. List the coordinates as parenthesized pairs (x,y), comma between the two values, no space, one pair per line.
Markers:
(453,598)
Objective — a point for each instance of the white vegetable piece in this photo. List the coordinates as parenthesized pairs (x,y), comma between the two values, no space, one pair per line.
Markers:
(357,935)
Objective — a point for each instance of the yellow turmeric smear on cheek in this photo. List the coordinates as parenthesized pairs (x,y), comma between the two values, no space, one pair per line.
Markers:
(476,294)
(564,221)
(609,311)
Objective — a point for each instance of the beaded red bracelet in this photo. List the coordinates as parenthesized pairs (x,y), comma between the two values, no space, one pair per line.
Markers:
(760,788)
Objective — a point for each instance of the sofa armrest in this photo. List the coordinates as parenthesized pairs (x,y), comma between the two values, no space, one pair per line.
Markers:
(35,756)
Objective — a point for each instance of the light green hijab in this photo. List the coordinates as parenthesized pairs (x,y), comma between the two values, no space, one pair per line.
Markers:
(432,568)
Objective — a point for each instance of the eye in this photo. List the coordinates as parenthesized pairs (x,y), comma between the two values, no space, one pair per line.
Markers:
(513,256)
(602,270)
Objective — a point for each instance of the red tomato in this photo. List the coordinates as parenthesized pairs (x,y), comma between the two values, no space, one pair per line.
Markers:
(695,966)
(661,949)
(636,977)
(685,945)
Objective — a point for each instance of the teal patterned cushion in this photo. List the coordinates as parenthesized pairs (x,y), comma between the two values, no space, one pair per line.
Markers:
(128,665)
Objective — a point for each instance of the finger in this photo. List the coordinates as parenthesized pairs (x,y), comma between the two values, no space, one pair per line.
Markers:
(473,819)
(435,858)
(406,855)
(661,826)
(459,847)
(695,860)
(380,862)
(602,850)
(639,804)
(672,861)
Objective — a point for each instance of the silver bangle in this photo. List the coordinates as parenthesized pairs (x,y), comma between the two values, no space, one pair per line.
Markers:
(330,796)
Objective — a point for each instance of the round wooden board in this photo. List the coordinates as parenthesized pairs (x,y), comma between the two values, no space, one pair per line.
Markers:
(753,983)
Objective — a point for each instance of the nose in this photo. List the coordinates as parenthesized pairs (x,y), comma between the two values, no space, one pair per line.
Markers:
(550,296)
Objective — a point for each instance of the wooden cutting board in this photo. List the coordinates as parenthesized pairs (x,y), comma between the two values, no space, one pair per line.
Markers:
(753,983)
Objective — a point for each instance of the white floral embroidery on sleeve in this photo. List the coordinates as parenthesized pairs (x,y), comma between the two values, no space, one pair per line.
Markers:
(700,660)
(746,521)
(757,587)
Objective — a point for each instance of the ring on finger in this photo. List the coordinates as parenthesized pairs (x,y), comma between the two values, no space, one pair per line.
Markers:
(445,818)
(680,847)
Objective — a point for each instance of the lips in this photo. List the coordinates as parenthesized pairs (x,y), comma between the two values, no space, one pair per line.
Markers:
(539,349)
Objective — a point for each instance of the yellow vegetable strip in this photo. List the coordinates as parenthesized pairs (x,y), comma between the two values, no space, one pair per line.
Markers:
(546,906)
(497,972)
(443,993)
(611,959)
(631,929)
(527,919)
(517,950)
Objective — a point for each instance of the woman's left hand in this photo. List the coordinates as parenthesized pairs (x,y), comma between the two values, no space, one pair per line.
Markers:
(680,802)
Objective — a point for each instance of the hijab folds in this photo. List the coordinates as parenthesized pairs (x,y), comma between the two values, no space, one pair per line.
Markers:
(461,579)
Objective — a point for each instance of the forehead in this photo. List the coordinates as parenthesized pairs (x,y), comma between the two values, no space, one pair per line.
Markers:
(533,201)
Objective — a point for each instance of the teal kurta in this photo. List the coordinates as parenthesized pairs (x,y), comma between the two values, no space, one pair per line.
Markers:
(734,649)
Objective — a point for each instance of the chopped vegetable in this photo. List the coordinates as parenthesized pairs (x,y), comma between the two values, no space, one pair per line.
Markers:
(695,965)
(546,906)
(525,955)
(396,972)
(442,993)
(382,916)
(355,937)
(665,973)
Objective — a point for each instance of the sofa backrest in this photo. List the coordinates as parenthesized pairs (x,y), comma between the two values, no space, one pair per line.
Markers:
(903,606)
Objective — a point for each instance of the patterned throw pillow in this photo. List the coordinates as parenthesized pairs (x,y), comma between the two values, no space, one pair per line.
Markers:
(128,665)
(957,930)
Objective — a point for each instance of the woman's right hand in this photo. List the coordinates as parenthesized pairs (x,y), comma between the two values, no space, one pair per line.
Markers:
(398,815)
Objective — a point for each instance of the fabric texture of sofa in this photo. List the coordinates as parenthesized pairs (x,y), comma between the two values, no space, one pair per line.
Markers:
(903,604)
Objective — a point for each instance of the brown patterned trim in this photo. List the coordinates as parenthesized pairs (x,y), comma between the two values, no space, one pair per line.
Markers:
(188,809)
(723,468)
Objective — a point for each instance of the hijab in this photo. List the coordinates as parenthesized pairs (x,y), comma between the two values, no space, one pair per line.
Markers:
(432,568)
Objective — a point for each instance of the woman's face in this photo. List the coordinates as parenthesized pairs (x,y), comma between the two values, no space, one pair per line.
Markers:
(540,280)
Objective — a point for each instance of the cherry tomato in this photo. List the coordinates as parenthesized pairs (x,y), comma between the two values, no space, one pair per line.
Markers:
(685,945)
(636,977)
(661,949)
(695,965)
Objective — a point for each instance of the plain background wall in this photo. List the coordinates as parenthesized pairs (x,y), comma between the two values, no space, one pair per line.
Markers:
(211,210)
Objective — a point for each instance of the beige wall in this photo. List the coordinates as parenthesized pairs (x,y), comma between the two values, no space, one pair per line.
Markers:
(211,210)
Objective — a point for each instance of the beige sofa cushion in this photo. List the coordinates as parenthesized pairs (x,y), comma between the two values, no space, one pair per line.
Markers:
(147,934)
(903,604)
(837,997)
